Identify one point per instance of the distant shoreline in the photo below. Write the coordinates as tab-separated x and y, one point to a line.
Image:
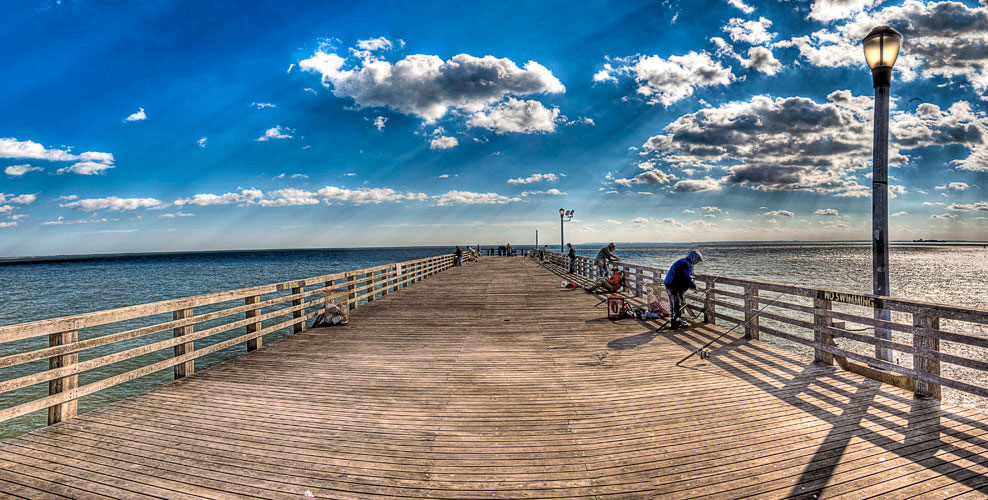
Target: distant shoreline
51	259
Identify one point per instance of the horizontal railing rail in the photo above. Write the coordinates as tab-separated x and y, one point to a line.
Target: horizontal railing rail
834	320
119	335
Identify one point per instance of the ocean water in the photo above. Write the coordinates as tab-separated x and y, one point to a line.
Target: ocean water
51	287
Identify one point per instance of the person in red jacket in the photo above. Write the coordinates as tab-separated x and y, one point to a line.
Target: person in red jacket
612	284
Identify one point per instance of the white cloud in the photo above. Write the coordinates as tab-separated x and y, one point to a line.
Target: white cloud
827	211
443	142
363	196
467	197
762	60
136	116
534	178
899	214
710	209
547	192
933	203
651	176
365	49
750	32
8	224
978	206
946	39
667	81
379	122
513	115
176	214
943	216
779	213
86	168
13	148
605	75
612	221
696	185
747	9
427	86
832	10
245	196
446	176
955	186
113	203
276	132
202	142
262	105
19	170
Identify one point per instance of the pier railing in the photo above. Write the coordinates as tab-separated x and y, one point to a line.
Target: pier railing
934	345
172	334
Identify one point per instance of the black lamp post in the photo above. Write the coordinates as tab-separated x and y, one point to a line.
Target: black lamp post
881	48
563	213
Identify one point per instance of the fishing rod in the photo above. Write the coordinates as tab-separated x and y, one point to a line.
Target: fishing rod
745	323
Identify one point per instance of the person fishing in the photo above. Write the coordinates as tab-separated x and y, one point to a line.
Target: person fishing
612	284
572	257
604	257
678	281
458	261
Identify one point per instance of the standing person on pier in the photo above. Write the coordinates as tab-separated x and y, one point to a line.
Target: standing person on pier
572	257
678	281
604	257
510	252
458	260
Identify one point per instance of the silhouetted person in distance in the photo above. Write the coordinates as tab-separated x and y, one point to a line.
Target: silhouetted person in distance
572	257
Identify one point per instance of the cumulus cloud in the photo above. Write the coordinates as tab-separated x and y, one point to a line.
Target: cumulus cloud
978	206
276	132
739	4
86	162
471	198
262	105
113	203
750	32
513	115
204	199
899	214
652	177
943	216
945	39
534	178
779	213
547	192
19	170
955	186
827	211
832	10
762	60
443	142
696	185
426	85
667	81
796	143
136	116
202	142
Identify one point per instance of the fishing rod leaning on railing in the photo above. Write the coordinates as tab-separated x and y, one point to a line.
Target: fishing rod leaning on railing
828	315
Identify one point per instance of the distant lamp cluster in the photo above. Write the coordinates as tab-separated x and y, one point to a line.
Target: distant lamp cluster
564	216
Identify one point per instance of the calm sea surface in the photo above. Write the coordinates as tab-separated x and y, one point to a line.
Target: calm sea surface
49	288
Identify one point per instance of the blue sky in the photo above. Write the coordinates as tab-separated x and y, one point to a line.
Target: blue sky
190	125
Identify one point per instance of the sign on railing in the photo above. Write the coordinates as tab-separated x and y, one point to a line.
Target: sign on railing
840	324
255	311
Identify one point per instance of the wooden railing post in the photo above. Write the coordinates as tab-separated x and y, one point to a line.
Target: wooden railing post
708	301
386	284
351	296
189	367
922	363
253	344
819	336
398	268
299	324
639	279
372	281
67	410
751	312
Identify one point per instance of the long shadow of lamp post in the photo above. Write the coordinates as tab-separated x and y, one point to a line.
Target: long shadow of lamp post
881	48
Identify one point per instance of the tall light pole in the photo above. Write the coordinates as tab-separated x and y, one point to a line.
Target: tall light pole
563	213
881	48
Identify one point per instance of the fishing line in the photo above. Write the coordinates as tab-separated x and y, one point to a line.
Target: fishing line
745	323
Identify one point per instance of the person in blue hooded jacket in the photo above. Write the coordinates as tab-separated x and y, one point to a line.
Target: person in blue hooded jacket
678	281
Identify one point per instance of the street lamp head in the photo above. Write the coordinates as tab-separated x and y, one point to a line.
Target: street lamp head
881	49
561	212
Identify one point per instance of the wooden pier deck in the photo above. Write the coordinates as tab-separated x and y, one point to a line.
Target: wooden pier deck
481	382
